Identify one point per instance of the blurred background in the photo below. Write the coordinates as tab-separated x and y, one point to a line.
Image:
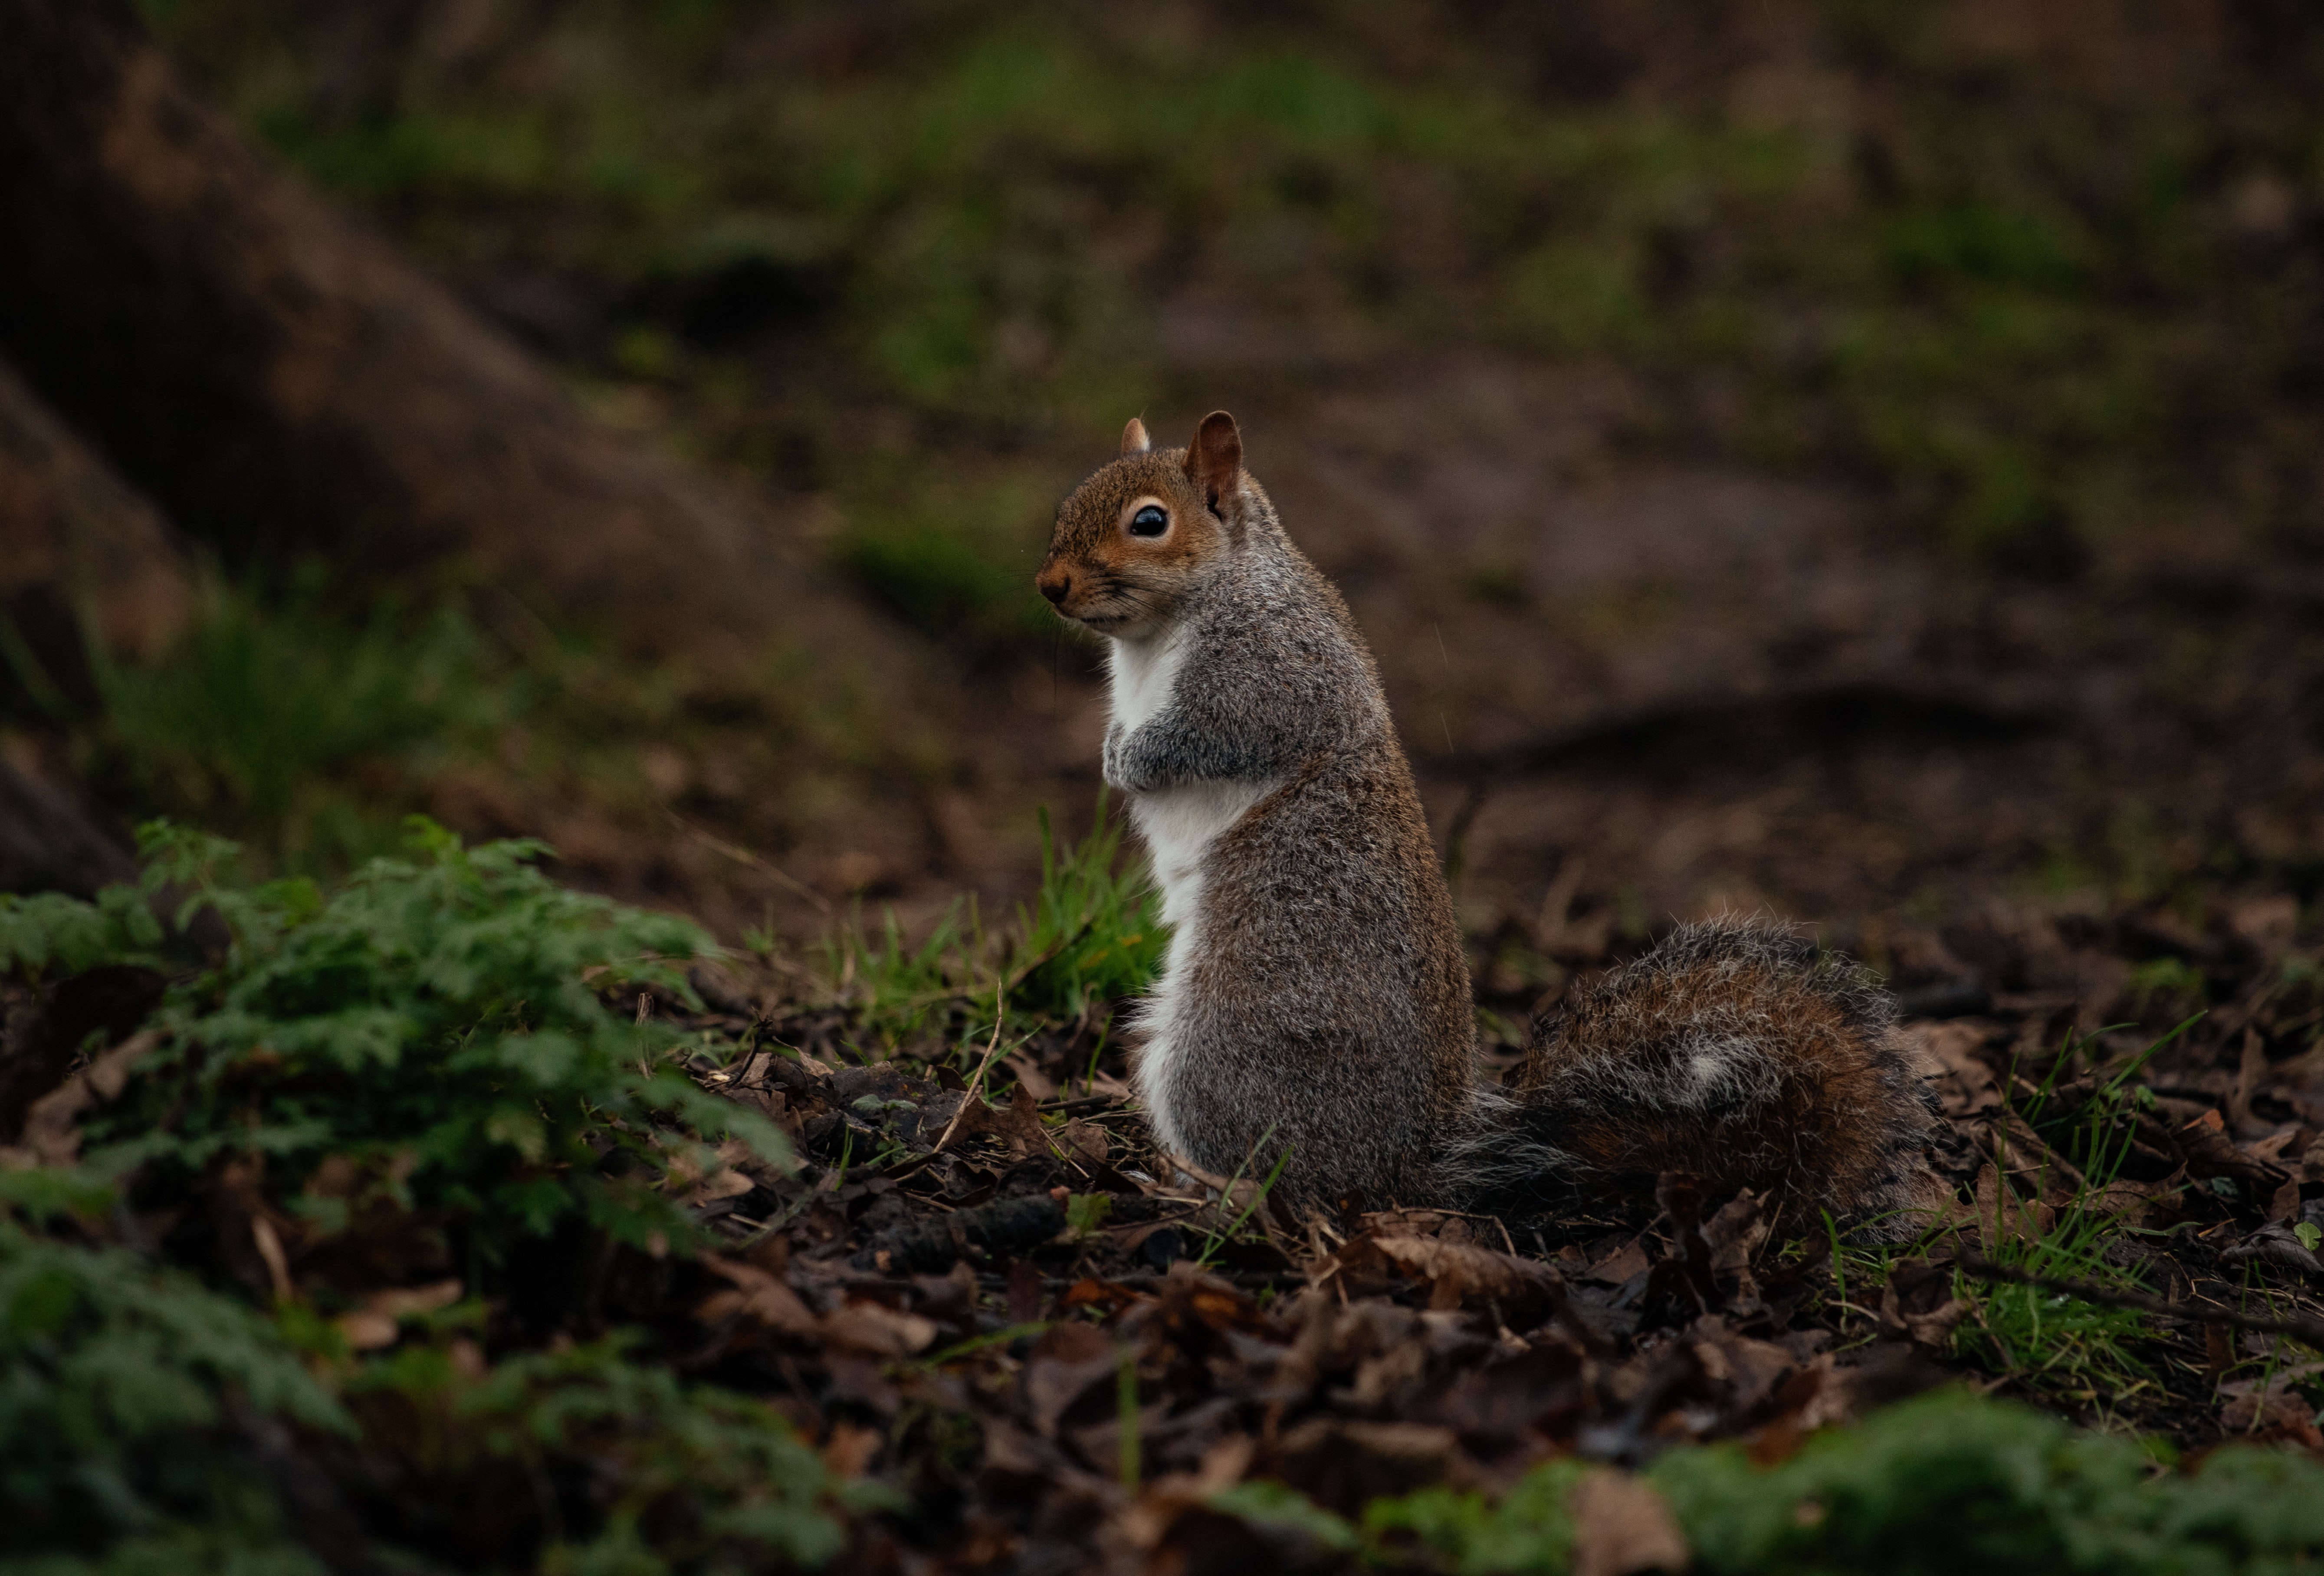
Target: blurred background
1860	459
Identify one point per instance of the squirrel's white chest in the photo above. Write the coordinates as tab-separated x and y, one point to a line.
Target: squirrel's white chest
1178	823
1143	674
1179	826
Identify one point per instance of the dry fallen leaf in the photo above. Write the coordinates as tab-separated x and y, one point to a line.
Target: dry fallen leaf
1621	1527
877	1329
1621	1266
372	1326
1463	1272
1064	1363
52	1123
756	1296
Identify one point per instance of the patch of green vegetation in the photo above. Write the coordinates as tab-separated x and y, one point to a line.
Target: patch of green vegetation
439	1028
308	731
1530	1529
1987	308
1094	933
1950	1482
1092	936
446	1044
952	554
2064	1347
49	934
135	1405
128	1397
285	718
2169	984
1284	1513
1945	1483
686	1478
893	989
2057	1346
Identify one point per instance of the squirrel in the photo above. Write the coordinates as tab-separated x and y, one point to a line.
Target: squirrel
1314	1007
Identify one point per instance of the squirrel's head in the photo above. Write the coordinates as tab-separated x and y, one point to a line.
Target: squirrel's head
1133	539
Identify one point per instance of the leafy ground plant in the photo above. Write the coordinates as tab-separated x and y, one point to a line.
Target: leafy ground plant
132	1402
444	1061
439	1028
611	1464
1092	936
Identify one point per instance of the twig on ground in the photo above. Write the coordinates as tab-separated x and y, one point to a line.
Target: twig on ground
999	1017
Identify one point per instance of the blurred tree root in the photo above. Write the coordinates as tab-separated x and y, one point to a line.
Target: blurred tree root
280	381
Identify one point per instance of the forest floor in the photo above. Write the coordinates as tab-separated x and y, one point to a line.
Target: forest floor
2116	1188
876	1255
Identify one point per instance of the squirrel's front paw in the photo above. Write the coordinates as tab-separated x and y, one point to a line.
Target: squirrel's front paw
1111	761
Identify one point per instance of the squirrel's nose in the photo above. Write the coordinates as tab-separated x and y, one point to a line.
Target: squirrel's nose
1056	590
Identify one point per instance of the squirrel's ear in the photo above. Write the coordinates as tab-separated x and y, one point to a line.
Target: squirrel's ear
1214	459
1133	437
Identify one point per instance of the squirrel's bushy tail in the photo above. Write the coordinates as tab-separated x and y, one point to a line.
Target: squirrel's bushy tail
1735	1051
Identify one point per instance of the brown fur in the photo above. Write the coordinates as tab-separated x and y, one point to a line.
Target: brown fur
1099	576
1737	1052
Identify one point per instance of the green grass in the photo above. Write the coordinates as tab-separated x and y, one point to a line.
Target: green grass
2062	1347
2064	1350
308	724
1092	936
284	717
893	990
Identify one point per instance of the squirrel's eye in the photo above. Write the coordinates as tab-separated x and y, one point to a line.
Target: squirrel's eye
1150	521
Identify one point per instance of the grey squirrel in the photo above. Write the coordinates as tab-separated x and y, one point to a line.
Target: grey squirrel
1315	1003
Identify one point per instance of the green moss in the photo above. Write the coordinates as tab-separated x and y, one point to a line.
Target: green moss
1953	1483
1948	1482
